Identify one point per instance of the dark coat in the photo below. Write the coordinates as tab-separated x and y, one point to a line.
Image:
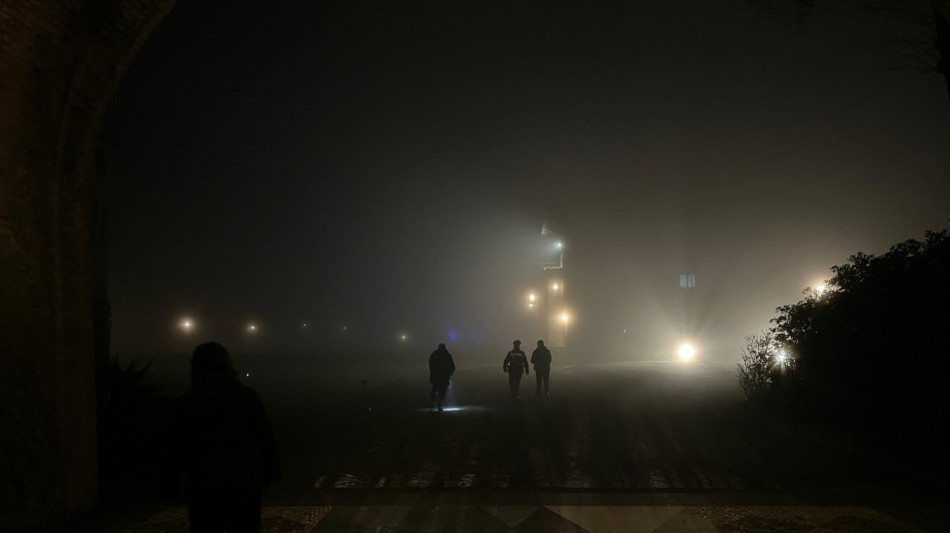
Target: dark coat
441	366
541	359
224	441
515	362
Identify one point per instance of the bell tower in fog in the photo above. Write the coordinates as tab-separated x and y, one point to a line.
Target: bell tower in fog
552	310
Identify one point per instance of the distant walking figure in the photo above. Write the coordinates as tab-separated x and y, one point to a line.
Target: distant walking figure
226	446
541	359
441	368
516	364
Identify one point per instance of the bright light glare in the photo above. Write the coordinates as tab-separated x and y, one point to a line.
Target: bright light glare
530	306
686	352
782	357
564	318
554	286
821	289
531	297
252	328
186	324
559	245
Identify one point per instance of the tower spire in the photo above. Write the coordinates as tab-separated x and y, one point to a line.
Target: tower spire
552	304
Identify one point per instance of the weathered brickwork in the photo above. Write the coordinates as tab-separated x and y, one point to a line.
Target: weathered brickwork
60	61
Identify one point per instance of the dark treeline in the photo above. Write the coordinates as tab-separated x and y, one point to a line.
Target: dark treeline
868	354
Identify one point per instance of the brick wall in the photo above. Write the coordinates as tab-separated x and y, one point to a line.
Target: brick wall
59	63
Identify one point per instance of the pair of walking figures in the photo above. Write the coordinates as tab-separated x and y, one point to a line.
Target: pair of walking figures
516	365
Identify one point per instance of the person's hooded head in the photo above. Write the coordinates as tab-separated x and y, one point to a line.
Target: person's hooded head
517	345
540	344
211	368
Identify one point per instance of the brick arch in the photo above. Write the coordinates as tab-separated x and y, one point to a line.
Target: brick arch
59	65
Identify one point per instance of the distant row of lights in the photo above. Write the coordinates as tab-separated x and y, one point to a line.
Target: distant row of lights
187	325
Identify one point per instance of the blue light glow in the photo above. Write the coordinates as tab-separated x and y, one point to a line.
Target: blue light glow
456	408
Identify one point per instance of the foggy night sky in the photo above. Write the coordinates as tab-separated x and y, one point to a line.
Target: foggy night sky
387	166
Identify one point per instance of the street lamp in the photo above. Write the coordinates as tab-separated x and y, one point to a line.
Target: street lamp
531	301
564	319
686	352
781	357
186	325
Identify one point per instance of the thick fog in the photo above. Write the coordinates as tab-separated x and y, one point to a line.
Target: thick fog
375	176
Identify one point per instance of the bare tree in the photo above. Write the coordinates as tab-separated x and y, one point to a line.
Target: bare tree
755	364
918	35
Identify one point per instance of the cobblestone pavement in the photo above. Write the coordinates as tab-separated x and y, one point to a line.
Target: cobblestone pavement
553	518
627	447
637	427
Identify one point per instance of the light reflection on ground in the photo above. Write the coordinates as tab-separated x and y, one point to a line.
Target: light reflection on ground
462	408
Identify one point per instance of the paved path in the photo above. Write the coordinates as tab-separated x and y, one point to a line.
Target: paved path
632	447
637	427
421	517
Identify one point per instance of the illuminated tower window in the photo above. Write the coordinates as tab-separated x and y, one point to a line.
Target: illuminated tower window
687	281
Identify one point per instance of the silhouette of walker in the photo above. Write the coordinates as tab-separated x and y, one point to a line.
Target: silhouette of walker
441	368
225	445
515	364
541	359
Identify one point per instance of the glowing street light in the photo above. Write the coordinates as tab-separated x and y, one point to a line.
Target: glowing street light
554	287
403	337
781	357
820	289
532	299
563	319
252	328
186	325
686	352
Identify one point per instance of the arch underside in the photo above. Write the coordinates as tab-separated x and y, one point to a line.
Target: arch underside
59	64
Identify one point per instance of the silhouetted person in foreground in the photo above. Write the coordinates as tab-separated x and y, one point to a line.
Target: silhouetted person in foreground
226	446
515	364
441	368
541	359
